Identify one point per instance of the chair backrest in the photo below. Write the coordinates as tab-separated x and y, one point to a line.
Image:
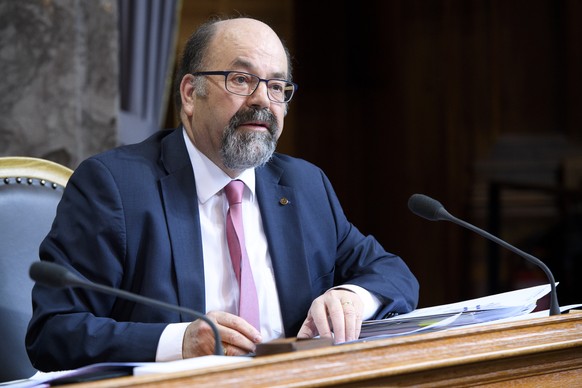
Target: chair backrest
30	190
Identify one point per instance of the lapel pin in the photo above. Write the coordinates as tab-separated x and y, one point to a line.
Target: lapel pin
284	201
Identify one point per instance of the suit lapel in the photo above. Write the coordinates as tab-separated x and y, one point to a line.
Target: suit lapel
180	204
280	212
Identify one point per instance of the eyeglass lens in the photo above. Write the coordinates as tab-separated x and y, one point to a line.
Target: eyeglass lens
245	84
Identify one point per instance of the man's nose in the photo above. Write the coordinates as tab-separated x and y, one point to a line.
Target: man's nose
260	97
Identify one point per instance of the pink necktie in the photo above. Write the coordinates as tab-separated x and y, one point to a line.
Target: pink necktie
248	301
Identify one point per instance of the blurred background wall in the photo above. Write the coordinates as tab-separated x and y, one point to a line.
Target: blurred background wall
58	88
476	103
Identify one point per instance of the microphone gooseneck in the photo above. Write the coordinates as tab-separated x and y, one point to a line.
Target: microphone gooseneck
54	275
433	210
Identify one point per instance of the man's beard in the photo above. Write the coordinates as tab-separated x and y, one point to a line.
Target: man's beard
249	149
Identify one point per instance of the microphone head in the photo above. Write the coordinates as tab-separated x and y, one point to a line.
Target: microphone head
428	208
52	275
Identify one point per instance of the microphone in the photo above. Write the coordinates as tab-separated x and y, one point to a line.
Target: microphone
57	276
433	210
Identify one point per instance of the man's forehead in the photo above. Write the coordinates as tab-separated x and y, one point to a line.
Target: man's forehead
252	67
248	46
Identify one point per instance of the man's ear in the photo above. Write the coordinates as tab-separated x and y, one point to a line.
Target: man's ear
187	93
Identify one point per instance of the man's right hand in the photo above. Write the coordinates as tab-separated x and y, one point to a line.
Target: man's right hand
238	336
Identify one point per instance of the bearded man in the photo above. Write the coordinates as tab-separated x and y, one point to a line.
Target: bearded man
154	219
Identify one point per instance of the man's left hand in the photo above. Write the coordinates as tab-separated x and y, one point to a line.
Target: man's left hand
338	311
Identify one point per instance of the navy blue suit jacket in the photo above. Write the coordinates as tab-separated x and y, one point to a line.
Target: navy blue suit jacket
129	219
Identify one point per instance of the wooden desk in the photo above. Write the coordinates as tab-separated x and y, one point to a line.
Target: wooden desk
538	352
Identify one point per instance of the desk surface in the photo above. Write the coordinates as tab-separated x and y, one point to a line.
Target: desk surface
538	352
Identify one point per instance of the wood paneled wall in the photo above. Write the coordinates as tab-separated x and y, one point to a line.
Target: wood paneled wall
400	97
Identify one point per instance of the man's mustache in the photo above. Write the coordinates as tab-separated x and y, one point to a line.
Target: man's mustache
250	115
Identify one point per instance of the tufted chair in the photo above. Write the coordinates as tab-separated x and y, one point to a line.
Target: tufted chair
30	190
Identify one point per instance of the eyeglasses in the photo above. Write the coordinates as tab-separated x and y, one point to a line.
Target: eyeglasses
245	84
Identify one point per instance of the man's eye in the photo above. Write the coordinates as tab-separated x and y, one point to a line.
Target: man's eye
240	79
277	88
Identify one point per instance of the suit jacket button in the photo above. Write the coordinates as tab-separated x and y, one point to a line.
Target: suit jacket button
284	201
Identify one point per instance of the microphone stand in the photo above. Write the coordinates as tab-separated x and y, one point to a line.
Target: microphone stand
54	275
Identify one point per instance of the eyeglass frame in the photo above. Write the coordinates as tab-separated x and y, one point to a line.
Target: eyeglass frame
225	73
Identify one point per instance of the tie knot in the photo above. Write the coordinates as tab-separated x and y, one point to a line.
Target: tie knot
234	191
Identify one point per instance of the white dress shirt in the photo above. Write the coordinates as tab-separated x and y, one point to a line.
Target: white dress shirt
221	289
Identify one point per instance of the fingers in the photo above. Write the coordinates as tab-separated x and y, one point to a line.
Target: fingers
308	329
321	317
352	320
338	311
237	335
346	314
337	318
233	350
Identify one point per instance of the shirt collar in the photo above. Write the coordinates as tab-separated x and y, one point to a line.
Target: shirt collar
210	179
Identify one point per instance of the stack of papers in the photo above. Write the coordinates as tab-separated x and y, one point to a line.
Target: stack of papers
481	310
